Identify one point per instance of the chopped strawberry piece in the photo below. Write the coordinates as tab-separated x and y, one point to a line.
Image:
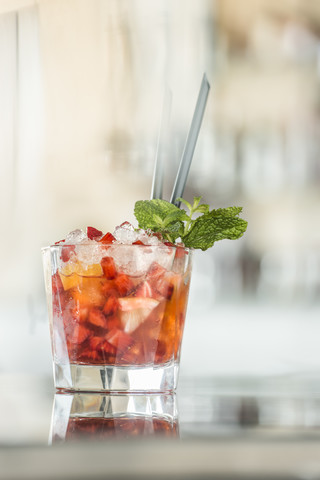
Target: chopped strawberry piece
126	225
155	234
155	271
109	288
100	348
93	233
66	252
144	289
56	284
79	334
107	238
95	342
124	284
88	355
119	339
111	305
138	242
134	311
113	321
109	268
80	313
106	347
96	317
169	244
180	252
165	287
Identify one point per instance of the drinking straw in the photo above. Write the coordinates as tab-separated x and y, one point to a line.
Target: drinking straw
158	173
191	141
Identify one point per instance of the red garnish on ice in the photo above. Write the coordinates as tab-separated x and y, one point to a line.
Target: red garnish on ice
124	284
96	317
93	233
138	242
108	267
126	224
108	238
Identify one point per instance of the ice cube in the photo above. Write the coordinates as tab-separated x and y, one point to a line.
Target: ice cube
76	236
89	252
125	234
136	260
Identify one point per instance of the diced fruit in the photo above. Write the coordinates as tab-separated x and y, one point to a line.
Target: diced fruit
95	342
169	244
78	335
109	288
102	345
89	293
93	233
108	238
126	225
124	284
134	311
109	268
144	289
119	339
96	317
155	272
138	242
128	304
165	286
56	284
113	321
111	305
80	313
89	355
66	252
72	274
180	252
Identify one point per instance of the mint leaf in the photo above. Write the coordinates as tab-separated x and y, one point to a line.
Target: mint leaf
160	216
202	232
220	224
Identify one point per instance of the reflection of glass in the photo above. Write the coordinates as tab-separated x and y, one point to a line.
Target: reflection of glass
117	315
95	416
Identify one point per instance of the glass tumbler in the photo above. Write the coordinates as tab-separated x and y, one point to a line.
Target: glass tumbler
117	315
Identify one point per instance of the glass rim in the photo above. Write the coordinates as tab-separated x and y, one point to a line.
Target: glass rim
98	244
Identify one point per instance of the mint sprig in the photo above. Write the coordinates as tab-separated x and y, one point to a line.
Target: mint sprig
201	232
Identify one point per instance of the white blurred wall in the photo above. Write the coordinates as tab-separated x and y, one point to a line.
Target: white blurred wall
81	85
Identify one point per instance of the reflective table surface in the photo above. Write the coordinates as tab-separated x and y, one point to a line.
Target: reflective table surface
211	428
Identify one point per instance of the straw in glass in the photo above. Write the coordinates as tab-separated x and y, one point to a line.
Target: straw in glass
158	173
191	141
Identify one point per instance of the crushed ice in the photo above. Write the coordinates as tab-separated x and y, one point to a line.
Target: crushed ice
132	261
76	236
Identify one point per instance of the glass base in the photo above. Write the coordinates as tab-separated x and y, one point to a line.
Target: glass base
113	379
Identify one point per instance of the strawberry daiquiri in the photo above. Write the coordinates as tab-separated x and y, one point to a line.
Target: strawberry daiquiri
117	301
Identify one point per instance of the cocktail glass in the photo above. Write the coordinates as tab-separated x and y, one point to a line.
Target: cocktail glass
99	416
117	315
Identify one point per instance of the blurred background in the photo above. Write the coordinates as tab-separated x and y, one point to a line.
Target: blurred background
81	89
